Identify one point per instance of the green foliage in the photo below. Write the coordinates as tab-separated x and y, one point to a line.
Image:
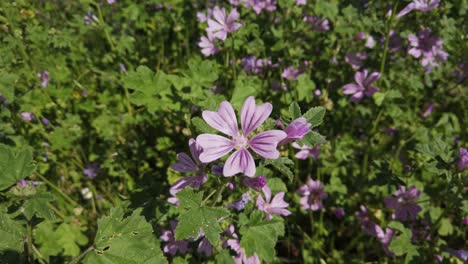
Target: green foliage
121	239
305	88
294	110
38	205
401	245
260	236
195	216
7	85
282	165
315	115
11	234
15	165
244	88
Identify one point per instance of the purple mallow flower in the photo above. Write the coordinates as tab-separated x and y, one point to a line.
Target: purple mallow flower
367	225
404	203
92	170
301	2
306	151
205	247
254	65
291	73
207	45
427	46
296	130
172	246
255	183
44	76
191	165
363	86
27	116
259	5
225	121
356	59
45	121
463	160
240	204
275	206
395	42
221	24
421	5
318	23
462	72
312	195
429	109
461	254
339	212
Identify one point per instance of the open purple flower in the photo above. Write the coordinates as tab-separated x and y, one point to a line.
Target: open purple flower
92	170
421	5
187	164
463	160
27	116
404	203
172	246
363	86
225	120
429	47
44	76
356	59
291	73
207	45
221	25
275	206
254	65
296	130
306	151
312	195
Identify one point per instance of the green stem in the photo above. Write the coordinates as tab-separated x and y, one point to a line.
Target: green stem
387	37
29	242
57	189
103	24
82	255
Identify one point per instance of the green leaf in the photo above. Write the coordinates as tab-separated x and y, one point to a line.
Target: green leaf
401	245
195	216
294	110
260	235
305	87
281	164
276	185
39	205
15	165
244	88
7	82
11	234
202	73
445	227
224	257
202	126
311	139
315	115
125	240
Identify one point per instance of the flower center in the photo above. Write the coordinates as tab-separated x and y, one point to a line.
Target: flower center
241	141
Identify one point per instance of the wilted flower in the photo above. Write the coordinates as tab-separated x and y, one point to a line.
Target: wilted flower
318	23
239	205
363	86
275	206
207	45
225	120
463	159
91	170
221	25
421	5
87	194
44	76
255	183
312	195
306	151
296	130
27	116
356	59
172	246
187	164
291	73
404	203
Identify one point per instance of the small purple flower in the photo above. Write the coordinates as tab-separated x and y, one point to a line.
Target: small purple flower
255	183
190	165
221	25
296	130
45	121
22	183
461	254
301	2
395	42
312	195
356	59
339	212
123	68
172	246
318	23
363	86
421	5
291	73
92	170
27	116
217	169
429	109
438	258
260	5
404	203
367	225
231	186
275	206
463	161
110	2
385	239
207	45
254	65
90	18
45	78
427	46
306	151
225	121
240	204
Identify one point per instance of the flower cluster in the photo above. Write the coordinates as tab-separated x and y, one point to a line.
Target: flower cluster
428	47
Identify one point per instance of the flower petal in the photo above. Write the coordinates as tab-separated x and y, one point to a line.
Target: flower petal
195	150
223	120
239	161
214	147
185	164
252	116
265	143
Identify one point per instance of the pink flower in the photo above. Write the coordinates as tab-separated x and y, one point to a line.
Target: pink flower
275	206
221	25
306	151
312	195
207	45
225	121
172	245
355	59
44	76
404	203
301	2
187	164
290	73
296	130
27	116
421	5
363	86
463	160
